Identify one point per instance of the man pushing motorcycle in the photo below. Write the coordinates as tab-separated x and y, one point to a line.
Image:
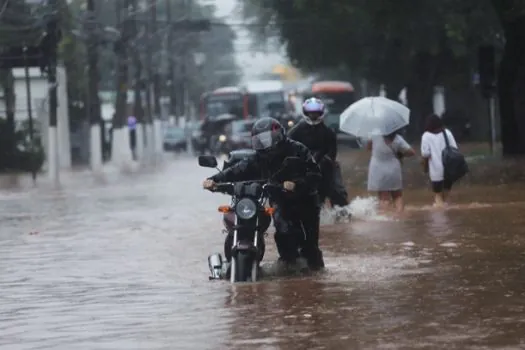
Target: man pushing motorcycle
296	216
322	142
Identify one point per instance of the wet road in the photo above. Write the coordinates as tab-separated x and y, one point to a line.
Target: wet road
121	264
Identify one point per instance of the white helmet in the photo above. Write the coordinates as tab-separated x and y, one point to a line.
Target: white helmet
313	111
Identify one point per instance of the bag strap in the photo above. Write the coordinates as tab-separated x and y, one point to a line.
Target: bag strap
446	138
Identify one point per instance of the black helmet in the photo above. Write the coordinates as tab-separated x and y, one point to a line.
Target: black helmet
267	133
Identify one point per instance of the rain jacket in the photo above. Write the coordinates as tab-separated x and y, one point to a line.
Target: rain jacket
263	168
320	139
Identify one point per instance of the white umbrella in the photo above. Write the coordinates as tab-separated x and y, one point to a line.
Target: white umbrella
374	116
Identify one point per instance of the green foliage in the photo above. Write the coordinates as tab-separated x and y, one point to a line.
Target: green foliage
27	155
371	37
21	23
217	44
72	53
220	67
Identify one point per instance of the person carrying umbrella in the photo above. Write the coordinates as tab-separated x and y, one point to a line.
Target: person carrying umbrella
385	176
379	120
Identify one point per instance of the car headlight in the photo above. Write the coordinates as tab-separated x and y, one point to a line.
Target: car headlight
222	138
246	209
290	123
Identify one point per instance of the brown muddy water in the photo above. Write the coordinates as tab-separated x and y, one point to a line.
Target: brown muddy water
120	263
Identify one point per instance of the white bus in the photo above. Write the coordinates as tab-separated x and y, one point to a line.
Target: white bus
265	97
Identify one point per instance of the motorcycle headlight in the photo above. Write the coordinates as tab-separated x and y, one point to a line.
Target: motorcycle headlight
290	123
246	209
222	138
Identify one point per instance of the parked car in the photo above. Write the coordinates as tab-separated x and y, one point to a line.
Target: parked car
236	135
175	139
197	138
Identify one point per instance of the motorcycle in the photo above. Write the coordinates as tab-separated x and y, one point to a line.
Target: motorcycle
246	220
287	120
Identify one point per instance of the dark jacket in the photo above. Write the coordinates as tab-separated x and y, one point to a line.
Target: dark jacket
320	139
259	168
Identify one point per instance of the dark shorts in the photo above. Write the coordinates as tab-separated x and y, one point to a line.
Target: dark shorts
440	186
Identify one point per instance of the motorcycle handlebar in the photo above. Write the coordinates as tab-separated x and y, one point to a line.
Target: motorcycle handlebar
227	187
270	186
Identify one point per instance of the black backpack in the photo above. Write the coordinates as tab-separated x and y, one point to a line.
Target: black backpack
454	164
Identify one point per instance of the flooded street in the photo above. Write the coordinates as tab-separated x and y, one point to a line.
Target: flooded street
121	263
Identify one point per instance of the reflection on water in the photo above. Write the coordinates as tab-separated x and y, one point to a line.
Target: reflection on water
120	263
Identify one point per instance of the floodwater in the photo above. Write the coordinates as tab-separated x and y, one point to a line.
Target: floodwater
120	263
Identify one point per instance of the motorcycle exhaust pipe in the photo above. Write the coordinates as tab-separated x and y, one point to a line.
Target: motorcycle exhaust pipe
215	265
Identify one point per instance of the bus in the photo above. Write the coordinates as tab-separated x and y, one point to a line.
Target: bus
227	99
265	98
337	96
253	99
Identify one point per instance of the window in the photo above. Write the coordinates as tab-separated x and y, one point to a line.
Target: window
222	104
269	102
336	102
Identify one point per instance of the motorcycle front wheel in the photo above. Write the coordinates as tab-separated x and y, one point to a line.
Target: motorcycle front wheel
243	267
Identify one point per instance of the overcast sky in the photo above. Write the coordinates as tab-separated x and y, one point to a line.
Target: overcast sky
252	63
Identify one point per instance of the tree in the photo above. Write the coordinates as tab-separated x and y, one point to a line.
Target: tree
220	67
21	26
511	80
216	44
73	55
416	44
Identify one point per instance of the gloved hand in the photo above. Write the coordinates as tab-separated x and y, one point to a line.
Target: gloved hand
289	185
208	184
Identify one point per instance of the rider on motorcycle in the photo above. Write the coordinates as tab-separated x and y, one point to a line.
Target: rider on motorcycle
299	210
322	142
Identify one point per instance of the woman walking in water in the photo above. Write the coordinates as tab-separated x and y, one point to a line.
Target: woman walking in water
384	171
432	145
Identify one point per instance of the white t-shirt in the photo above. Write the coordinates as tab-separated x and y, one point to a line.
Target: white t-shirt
432	145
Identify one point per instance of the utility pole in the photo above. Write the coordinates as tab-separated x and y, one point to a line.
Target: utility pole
120	149
121	51
54	37
93	103
138	109
186	7
156	75
153	78
147	83
171	64
29	109
150	146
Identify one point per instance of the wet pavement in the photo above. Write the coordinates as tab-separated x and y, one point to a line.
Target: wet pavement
119	262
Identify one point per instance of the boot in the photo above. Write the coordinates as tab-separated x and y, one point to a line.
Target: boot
286	247
314	258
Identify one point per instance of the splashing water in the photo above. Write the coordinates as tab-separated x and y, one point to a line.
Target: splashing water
361	208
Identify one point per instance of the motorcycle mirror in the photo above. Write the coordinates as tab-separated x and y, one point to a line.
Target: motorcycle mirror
207	161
